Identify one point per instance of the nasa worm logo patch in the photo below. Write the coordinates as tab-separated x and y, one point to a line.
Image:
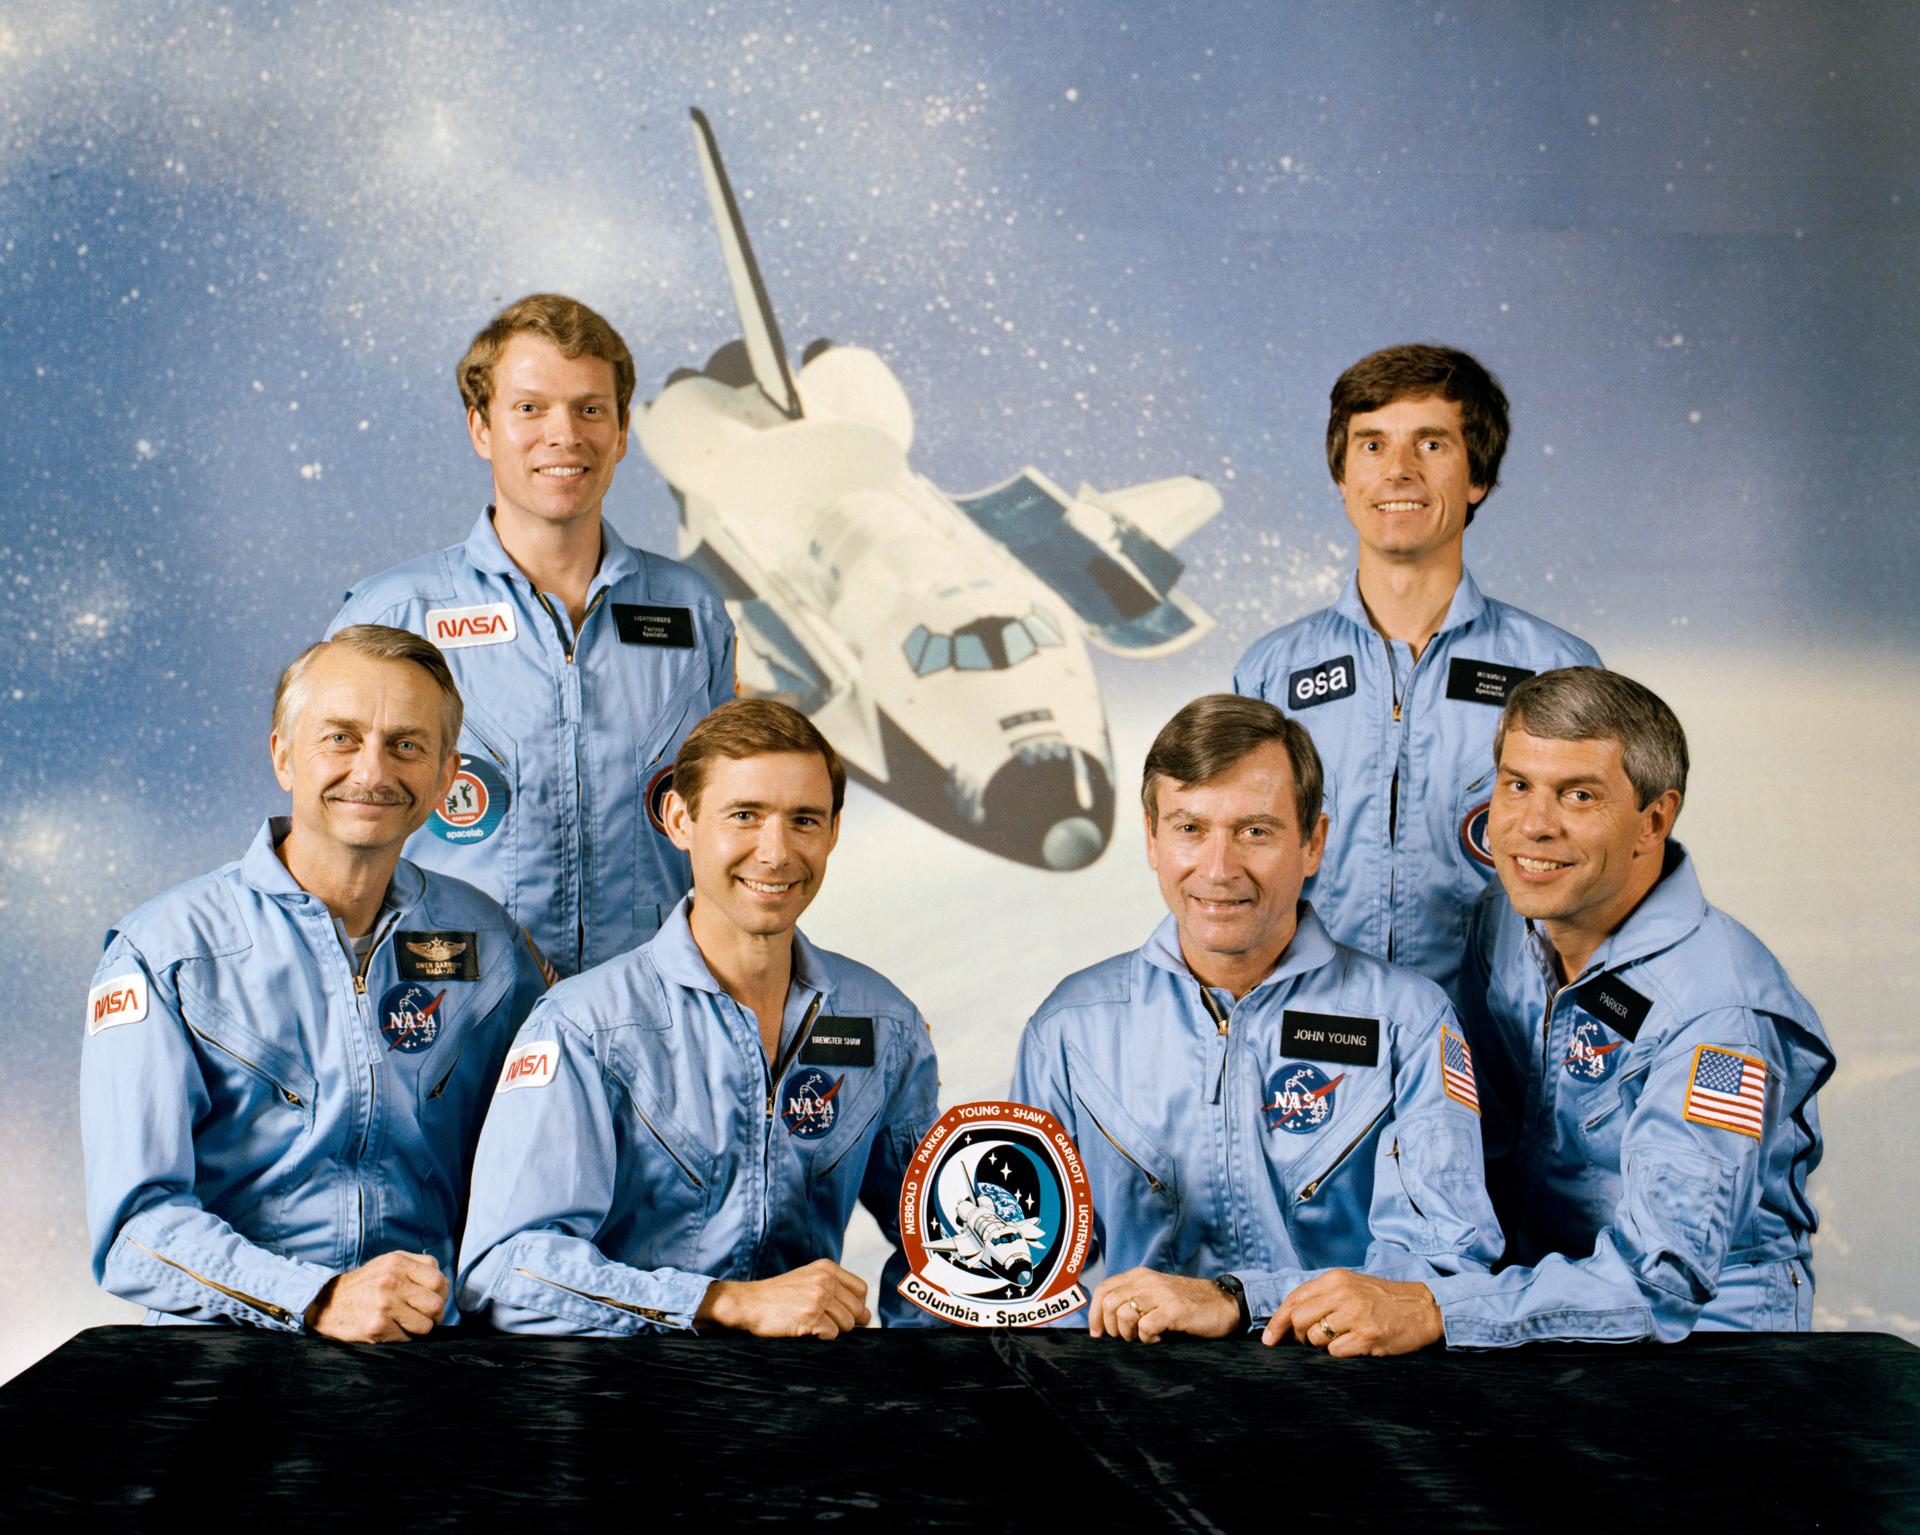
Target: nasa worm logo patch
1299	1098
1593	1053
410	1016
995	1218
475	805
809	1101
1473	834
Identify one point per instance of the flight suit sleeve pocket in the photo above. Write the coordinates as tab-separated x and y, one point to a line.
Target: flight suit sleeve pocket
1440	1169
1679	1207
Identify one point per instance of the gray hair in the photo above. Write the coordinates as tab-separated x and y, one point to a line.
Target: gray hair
1584	703
1211	734
380	643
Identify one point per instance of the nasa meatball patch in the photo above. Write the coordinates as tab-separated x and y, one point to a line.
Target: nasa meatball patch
1321	684
123	999
1299	1098
809	1101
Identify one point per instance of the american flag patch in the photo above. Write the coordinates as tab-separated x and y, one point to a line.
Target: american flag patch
1727	1091
1456	1069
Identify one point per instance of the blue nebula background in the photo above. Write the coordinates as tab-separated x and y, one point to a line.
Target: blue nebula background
241	250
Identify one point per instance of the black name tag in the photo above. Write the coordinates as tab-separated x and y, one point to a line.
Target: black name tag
839	1042
1614	1003
1321	684
654	626
1330	1037
437	956
1481	682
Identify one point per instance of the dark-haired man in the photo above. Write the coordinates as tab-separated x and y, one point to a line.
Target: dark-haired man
584	661
1648	1068
680	1135
1254	1101
1401	679
287	1060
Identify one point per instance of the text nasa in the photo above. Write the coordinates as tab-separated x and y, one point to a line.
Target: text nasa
490	623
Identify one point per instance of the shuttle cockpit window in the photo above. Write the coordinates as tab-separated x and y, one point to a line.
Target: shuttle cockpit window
986	644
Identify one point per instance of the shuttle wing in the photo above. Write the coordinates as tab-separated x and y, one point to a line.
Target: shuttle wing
758	328
1165	510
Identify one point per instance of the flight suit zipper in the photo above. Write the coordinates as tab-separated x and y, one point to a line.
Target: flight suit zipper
278	1313
287	1094
373	1082
604	1300
791	1053
665	1145
1222	1023
1314	1187
567	648
1152	1182
566	645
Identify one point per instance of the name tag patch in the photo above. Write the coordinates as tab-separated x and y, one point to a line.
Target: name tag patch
1321	684
1330	1037
1614	1003
491	623
653	626
1482	682
437	956
839	1042
531	1065
120	1000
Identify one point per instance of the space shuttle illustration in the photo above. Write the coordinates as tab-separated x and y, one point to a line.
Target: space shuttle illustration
939	641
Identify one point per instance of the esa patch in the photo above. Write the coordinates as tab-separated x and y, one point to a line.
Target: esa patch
653	626
1482	682
1299	1098
1321	684
529	1065
437	956
410	1016
475	805
1614	1003
1330	1037
807	1101
491	623
1456	1070
839	1042
1473	833
1728	1091
122	999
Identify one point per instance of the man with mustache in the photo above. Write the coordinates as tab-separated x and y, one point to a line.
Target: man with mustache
287	1060
1401	679
584	661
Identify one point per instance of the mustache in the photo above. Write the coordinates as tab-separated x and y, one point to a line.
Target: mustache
372	796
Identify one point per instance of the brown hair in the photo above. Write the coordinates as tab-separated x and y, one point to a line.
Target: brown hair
381	644
1212	734
751	727
1410	373
1584	703
575	329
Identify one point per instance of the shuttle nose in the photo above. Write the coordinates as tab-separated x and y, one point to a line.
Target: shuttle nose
1051	806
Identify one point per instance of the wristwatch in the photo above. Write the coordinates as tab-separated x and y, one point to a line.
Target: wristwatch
1228	1284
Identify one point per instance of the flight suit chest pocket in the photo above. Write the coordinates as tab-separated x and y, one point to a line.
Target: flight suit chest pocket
1316	1120
668	1178
1130	1165
248	1075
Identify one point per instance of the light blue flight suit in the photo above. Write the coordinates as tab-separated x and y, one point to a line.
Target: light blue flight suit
1650	1128
640	1145
567	738
1313	1124
1407	747
259	1115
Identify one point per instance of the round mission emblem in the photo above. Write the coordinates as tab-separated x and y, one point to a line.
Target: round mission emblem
1473	834
475	805
995	1218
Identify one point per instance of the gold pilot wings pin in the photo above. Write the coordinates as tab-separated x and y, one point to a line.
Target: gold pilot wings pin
437	956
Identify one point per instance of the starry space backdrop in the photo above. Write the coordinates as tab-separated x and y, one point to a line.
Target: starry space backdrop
242	246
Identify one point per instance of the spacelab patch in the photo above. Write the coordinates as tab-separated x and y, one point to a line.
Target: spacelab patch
410	1016
1614	1003
1299	1098
839	1042
1482	682
656	798
437	956
122	999
491	623
1330	1037
1456	1070
1473	833
808	1105
1321	684
639	625
475	805
528	1065
1728	1091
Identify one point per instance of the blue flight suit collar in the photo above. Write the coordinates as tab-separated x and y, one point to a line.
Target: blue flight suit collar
261	868
617	558
1669	912
678	958
1467	604
1311	947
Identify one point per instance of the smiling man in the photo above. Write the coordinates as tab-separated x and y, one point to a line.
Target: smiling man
1400	681
1254	1101
680	1135
584	661
287	1061
1648	1069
